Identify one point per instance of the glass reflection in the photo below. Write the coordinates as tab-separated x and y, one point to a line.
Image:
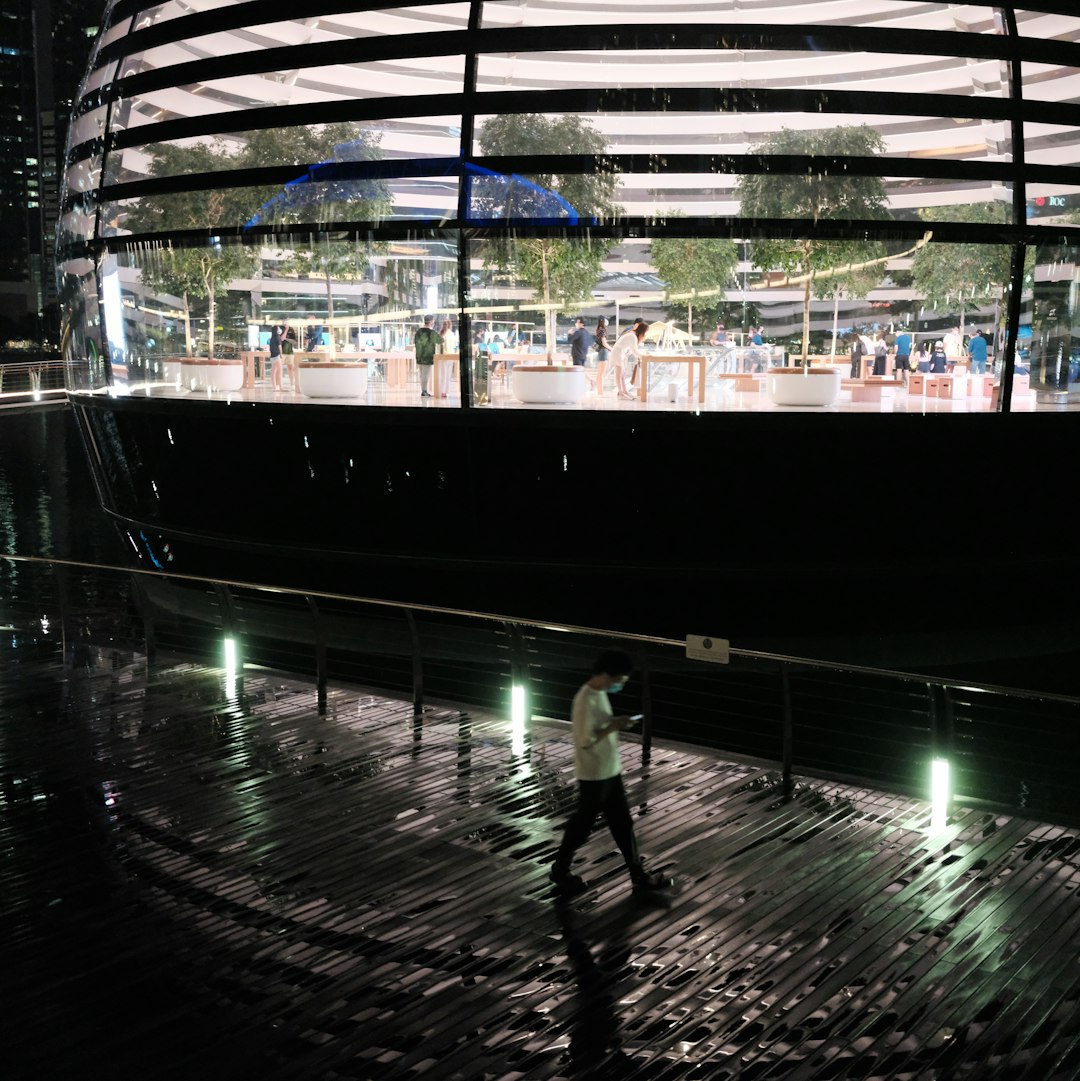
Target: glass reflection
574	174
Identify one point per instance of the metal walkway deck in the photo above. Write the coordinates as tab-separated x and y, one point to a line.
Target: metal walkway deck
199	886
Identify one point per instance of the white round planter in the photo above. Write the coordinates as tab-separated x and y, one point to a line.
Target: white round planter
539	385
795	386
198	373
332	379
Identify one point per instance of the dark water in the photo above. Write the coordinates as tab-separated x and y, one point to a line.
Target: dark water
48	505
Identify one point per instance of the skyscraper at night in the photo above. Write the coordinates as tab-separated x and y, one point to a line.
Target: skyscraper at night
44	46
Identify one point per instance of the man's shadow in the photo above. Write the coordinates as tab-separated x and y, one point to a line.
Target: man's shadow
593	1022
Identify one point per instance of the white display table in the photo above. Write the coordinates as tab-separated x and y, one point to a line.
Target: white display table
332	378
799	386
544	384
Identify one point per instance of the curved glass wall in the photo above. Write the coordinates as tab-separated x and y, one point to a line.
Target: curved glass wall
806	184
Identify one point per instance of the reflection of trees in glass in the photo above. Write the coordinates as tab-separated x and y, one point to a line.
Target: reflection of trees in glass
819	266
963	277
203	271
321	198
561	271
198	271
695	265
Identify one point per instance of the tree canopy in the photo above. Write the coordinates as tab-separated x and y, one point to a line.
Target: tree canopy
561	271
691	265
818	196
201	271
963	277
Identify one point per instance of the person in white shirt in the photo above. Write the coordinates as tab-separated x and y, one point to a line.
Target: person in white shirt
598	770
626	345
953	343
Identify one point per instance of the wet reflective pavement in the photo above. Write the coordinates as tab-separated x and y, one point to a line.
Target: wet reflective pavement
205	879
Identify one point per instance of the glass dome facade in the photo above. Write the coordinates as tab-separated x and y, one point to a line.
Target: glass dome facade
814	170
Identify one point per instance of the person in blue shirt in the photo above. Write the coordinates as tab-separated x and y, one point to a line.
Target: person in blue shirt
902	359
977	353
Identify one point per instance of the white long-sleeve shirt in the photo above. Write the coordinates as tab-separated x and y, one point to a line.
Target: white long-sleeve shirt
625	346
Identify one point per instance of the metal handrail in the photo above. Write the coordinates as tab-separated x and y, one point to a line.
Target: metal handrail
563	628
859	729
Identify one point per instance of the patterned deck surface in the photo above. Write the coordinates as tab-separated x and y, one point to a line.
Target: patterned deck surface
202	887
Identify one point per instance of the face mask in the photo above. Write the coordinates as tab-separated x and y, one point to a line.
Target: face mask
615	688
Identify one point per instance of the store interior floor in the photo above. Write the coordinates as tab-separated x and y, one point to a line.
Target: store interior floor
719	397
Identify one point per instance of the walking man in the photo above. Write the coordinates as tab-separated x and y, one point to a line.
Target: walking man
598	770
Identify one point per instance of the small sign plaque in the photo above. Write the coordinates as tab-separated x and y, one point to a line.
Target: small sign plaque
702	648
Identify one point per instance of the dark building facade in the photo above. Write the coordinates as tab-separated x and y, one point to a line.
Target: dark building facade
44	46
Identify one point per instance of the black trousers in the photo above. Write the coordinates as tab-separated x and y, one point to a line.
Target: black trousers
596	797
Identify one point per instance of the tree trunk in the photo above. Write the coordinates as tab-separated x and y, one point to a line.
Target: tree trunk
212	312
330	315
835	322
187	324
806	325
549	313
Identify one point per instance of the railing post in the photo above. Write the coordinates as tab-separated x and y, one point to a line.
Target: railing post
228	627
647	722
519	677
941	733
417	676
787	751
320	654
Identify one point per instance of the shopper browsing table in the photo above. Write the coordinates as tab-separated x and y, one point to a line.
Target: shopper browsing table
626	345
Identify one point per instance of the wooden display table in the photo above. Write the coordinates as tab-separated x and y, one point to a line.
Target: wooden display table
396	364
870	388
691	363
249	358
751	382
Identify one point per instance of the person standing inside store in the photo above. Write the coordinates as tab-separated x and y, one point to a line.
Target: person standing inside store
426	343
579	340
603	351
628	344
938	359
279	332
314	338
881	353
857	352
977	353
953	343
598	771
449	345
902	361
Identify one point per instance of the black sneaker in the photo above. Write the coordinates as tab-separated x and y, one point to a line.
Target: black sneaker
566	882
